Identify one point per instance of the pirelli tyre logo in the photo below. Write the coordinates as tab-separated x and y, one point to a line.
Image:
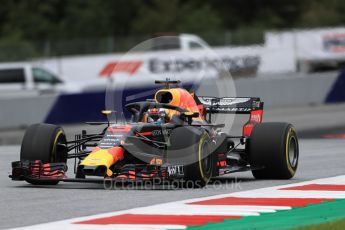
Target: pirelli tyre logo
175	170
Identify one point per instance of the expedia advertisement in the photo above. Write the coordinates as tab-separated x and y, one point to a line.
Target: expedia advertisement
238	65
140	67
184	65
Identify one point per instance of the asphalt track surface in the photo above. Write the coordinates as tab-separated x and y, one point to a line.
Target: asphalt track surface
22	204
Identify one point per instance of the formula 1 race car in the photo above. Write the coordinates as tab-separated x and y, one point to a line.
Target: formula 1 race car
169	138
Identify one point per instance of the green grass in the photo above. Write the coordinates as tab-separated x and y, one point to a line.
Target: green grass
334	225
309	216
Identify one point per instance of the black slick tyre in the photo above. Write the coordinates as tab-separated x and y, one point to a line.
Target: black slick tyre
274	150
192	148
44	142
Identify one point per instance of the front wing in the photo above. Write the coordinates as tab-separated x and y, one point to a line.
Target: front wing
38	172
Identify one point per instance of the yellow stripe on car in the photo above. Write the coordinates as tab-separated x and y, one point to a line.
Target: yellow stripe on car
200	157
54	146
288	139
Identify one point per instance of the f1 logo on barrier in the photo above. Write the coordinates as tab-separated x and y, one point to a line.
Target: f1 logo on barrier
130	67
175	170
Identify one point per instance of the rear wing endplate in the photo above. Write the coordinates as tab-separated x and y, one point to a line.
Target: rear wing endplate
231	105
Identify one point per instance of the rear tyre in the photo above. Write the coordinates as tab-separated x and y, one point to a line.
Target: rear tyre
44	142
274	148
192	147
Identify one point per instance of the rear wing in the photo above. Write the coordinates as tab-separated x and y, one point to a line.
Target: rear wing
231	105
234	105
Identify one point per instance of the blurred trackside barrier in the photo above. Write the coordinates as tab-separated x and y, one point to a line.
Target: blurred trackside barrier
311	89
337	93
21	111
292	90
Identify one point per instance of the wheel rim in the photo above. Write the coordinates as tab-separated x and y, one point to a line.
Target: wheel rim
293	152
206	159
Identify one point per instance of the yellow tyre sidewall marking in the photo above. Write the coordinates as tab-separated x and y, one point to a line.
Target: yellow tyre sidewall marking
54	145
291	133
201	142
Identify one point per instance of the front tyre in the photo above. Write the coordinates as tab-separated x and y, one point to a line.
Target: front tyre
44	142
198	174
192	148
274	150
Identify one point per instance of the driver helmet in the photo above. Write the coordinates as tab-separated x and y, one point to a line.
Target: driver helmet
156	116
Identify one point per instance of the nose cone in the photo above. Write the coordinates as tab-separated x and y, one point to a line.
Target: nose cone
100	160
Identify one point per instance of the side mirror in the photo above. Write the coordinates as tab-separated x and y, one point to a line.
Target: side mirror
188	116
106	112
